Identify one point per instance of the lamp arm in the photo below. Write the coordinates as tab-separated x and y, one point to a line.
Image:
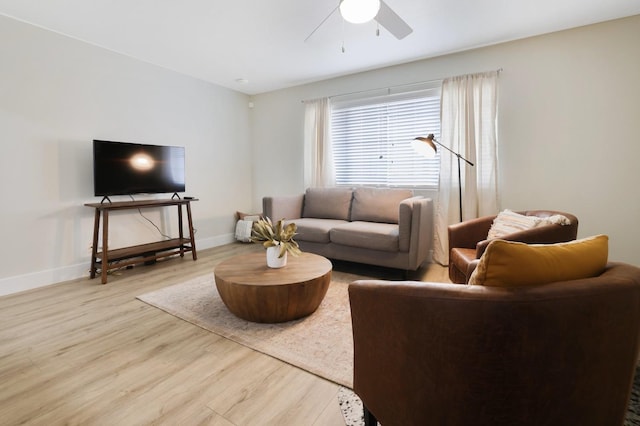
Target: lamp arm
453	152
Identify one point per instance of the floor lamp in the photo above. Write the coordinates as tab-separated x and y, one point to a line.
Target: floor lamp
427	147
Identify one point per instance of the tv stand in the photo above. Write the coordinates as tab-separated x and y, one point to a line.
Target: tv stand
108	259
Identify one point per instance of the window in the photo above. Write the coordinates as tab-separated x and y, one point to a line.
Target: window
371	139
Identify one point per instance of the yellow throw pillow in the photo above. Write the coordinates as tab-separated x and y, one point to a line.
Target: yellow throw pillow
514	264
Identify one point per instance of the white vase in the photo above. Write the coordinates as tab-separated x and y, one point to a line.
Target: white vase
273	261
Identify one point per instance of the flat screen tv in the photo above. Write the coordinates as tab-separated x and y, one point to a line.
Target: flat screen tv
123	168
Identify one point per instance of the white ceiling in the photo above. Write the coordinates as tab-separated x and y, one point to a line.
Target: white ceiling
262	41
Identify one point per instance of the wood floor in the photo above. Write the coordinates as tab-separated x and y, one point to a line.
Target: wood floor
83	353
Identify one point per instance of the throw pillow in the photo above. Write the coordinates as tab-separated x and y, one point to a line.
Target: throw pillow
244	225
243	230
515	264
556	219
248	216
507	222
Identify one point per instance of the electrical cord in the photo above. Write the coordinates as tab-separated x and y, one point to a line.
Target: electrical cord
156	226
150	221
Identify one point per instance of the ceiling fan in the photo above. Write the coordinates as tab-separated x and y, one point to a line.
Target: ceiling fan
361	11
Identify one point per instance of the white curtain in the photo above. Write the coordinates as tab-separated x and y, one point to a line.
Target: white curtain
469	127
318	164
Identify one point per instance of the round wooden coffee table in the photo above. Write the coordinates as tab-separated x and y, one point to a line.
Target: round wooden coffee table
254	292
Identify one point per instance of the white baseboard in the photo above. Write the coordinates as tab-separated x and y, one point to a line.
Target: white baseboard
18	283
33	280
217	241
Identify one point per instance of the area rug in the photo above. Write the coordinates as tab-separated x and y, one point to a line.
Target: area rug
320	343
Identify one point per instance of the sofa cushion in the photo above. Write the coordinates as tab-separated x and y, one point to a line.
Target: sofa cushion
378	204
315	230
327	203
375	236
515	264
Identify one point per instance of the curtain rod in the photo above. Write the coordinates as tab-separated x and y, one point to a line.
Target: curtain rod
377	89
499	70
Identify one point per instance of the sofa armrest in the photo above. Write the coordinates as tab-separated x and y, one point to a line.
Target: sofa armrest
467	234
283	207
415	228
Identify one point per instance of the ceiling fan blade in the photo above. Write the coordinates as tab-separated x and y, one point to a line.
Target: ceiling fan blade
323	21
392	22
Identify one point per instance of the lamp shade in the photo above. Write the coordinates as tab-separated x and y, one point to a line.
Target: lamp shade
359	11
424	146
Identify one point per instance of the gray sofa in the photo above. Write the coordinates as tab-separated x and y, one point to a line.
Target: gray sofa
377	226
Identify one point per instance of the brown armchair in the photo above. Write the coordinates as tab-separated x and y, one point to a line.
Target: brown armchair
468	240
444	354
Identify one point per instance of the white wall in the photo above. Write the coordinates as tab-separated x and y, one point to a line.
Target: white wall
569	108
57	95
569	122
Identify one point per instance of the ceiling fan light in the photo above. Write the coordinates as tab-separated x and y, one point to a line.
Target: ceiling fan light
359	11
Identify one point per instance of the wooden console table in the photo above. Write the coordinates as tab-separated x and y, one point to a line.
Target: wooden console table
115	258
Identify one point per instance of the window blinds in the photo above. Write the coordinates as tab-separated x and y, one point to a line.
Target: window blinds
372	140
